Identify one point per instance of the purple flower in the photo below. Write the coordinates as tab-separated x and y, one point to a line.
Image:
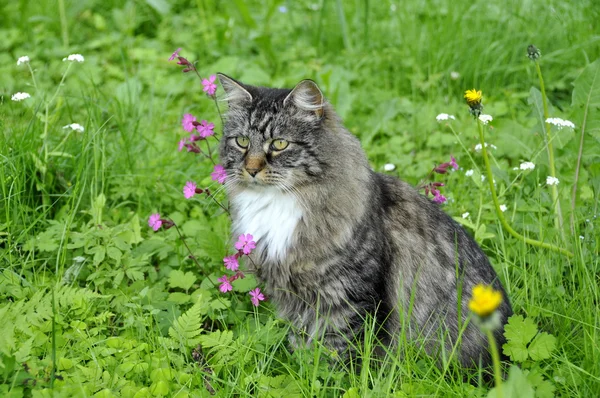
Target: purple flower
189	190
181	144
438	197
209	86
219	174
231	263
245	243
256	296
453	163
188	122
155	222
175	54
225	285
205	129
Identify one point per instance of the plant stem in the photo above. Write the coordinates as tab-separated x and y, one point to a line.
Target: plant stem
63	23
558	221
496	362
490	178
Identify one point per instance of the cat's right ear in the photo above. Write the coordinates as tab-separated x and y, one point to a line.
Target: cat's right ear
234	90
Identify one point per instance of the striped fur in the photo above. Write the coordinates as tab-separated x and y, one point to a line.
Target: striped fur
358	243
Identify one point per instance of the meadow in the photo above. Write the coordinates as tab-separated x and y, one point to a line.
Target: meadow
94	302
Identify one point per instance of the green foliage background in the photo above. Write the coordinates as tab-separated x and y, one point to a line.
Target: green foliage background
93	303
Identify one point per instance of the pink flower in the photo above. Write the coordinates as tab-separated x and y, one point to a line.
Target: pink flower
439	198
209	86
188	122
155	222
205	129
231	263
453	163
245	243
189	190
181	144
256	296
225	285
219	174
175	54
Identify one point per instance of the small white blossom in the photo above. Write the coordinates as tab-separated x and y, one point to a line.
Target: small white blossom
527	166
478	146
581	237
20	96
393	7
74	57
485	119
22	60
482	178
469	173
552	180
283	9
74	126
465	215
444	116
454	75
389	167
503	208
560	123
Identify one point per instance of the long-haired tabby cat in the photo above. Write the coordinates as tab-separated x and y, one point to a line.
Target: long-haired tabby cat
336	241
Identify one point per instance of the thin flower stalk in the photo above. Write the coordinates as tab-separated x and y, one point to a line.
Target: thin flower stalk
558	221
495	362
500	214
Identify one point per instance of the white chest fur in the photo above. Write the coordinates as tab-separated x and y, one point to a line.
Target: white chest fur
270	216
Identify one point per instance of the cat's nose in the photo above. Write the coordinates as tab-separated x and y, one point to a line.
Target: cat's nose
252	172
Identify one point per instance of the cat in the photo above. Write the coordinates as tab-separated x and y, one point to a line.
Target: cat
337	242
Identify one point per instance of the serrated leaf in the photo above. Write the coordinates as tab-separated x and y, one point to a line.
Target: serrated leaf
516	351
244	285
545	390
520	330
182	280
187	327
542	346
114	253
99	254
217	339
516	386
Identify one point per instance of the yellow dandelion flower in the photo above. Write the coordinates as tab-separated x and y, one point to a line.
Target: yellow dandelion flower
485	300
473	97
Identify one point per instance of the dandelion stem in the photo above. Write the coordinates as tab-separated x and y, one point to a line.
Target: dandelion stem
490	178
558	221
496	362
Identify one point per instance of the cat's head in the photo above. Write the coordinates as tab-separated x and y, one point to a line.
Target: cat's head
276	137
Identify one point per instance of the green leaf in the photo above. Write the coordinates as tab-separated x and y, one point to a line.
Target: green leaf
245	285
182	280
516	386
518	333
542	346
187	327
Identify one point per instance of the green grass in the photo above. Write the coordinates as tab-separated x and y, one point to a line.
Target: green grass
130	317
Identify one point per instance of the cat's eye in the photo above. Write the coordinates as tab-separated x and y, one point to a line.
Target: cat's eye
242	141
279	145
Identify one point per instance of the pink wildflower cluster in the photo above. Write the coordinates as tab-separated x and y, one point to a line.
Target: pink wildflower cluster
191	125
432	187
244	246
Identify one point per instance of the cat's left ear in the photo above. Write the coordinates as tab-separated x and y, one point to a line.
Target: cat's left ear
308	97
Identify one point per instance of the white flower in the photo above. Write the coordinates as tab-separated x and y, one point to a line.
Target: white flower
283	9
389	167
503	208
485	119
74	126
469	173
552	180
482	178
20	96
527	166
465	215
22	60
74	57
454	75
581	237
444	116
560	123
478	146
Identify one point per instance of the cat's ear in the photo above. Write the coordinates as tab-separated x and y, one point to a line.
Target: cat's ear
234	90
308	97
